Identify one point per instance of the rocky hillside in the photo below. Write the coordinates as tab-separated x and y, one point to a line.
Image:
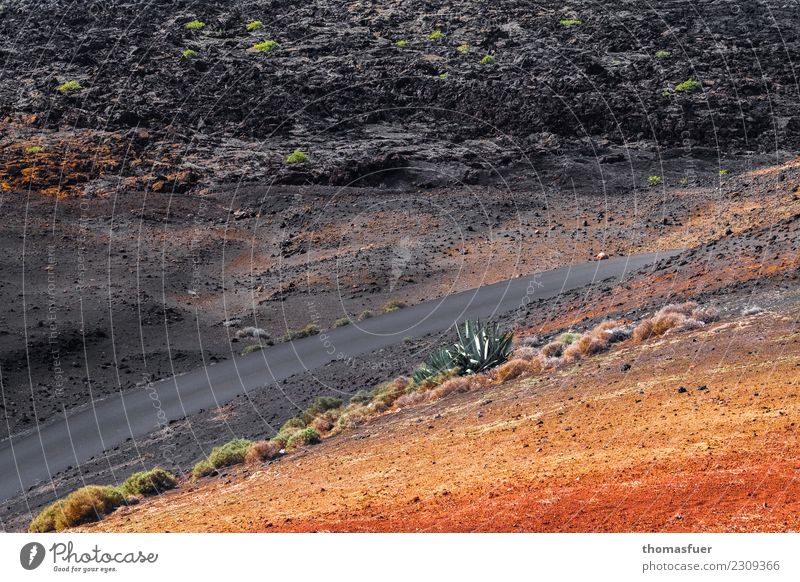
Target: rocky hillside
367	90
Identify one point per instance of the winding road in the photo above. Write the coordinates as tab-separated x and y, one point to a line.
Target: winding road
68	440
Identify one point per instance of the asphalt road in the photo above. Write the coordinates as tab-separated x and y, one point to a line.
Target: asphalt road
32	457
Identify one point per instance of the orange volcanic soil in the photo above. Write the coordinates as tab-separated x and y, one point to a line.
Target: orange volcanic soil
586	448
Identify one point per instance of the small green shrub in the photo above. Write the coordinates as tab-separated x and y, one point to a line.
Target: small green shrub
684	181
723	173
266	46
254	25
654	180
189	54
401	43
392	305
488	59
33	150
569	337
304	437
570	22
87	504
341	322
202	469
688	86
252	348
366	314
231	453
436	35
195	25
150	482
297	157
308	330
289	427
663	54
360	397
70	86
463	48
320	406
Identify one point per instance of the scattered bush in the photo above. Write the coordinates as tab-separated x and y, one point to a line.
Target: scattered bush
305	437
70	86
252	332
688	86
663	54
752	310
341	322
152	482
87	504
33	150
265	47
202	469
569	337
308	330
570	22
487	59
297	157
360	397
654	180
195	25
512	369
674	317
401	43
252	348
231	453
458	385
288	429
189	54
723	173
553	349
353	417
525	353
261	451
436	35
254	25
366	314
320	406
463	48
595	341
392	305
384	395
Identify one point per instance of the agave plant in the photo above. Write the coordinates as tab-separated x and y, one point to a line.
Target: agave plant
437	363
481	346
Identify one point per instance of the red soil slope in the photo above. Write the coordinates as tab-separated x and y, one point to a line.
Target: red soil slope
588	448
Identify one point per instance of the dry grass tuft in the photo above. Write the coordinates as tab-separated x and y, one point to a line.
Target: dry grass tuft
261	451
673	318
512	369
